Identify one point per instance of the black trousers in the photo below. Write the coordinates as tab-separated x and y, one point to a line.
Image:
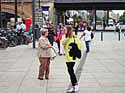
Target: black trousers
76	31
70	66
58	44
51	40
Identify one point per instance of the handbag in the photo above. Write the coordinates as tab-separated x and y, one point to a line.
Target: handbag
75	52
53	53
92	35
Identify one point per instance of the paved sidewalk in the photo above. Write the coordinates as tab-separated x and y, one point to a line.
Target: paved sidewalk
19	68
104	69
102	72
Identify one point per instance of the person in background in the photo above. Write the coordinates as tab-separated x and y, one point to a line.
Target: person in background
50	34
76	28
62	51
23	26
87	37
81	25
20	30
104	25
67	39
18	26
44	54
58	33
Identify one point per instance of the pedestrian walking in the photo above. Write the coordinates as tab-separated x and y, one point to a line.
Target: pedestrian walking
58	37
50	34
88	35
67	39
81	25
44	54
76	28
62	51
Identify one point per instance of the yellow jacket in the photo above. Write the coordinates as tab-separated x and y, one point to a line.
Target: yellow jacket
71	40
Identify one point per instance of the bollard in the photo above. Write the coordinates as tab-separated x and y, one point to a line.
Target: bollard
119	36
101	35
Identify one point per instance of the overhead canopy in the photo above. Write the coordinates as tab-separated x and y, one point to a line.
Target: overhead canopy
90	4
87	1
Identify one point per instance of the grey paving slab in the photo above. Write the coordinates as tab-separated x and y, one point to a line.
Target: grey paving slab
56	90
11	80
91	90
114	90
4	90
32	85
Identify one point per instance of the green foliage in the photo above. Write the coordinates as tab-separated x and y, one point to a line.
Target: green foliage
105	18
77	19
90	17
122	18
97	18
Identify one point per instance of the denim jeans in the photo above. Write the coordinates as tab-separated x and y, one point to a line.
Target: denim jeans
87	45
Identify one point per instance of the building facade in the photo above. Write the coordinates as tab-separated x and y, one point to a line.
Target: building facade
40	14
23	9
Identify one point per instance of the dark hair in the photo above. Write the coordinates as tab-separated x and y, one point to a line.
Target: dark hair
88	28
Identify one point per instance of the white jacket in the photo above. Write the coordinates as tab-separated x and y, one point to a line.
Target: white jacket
87	36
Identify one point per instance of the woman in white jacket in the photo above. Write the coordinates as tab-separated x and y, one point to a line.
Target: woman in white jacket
87	37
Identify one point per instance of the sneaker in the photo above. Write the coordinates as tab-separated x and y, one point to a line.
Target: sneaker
71	90
76	87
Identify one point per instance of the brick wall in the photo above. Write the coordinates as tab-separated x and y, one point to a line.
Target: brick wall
10	8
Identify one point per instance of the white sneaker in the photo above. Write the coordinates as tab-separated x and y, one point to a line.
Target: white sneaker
71	90
76	87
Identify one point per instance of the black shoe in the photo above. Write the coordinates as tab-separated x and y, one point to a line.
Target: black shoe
87	50
60	54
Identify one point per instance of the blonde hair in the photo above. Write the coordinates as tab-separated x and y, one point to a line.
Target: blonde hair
69	31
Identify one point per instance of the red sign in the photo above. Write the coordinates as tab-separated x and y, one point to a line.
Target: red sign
28	23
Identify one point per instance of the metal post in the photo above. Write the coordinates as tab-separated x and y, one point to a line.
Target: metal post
119	36
39	4
0	14
42	16
56	17
95	18
22	8
107	17
64	20
33	21
15	11
101	35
